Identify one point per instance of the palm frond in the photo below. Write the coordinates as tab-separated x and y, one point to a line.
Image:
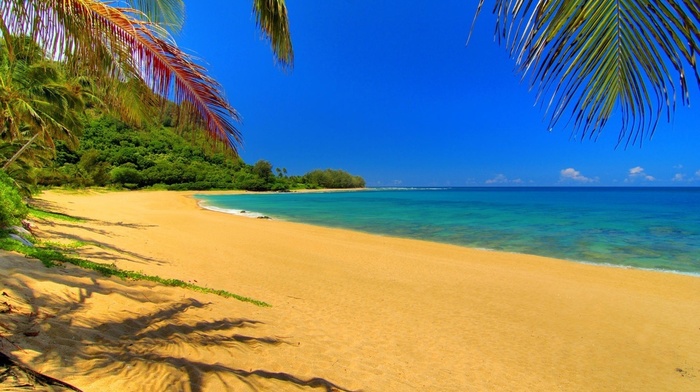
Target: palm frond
132	101
271	17
127	44
168	13
595	58
35	97
132	42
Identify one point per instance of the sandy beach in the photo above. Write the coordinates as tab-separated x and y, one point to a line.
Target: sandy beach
350	311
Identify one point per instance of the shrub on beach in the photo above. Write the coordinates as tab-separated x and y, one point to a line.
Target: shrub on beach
126	174
330	178
12	208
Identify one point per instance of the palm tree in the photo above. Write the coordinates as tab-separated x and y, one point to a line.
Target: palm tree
37	102
131	39
593	58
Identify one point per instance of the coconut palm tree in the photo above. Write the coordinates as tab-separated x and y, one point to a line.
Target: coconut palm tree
131	39
37	101
593	58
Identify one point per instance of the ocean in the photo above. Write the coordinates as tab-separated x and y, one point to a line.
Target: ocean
649	228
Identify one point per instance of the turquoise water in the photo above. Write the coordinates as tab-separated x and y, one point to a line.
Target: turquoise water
655	228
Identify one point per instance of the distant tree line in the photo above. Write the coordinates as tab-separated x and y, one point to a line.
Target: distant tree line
330	178
112	153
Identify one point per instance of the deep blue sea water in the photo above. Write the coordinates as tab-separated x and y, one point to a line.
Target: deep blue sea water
654	228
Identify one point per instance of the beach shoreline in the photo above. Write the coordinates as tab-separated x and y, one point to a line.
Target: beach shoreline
261	215
351	310
641	242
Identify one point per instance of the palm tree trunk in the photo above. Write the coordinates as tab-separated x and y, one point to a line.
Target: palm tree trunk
15	369
18	153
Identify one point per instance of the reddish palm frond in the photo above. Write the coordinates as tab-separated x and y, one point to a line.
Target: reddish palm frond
165	68
127	44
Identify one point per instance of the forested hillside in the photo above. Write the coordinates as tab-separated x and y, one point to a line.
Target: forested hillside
64	126
111	153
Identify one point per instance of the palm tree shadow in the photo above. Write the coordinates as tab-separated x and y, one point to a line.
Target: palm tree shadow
54	209
49	206
56	228
153	333
107	252
194	369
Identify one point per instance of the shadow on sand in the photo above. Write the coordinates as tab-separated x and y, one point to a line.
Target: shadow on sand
52	208
152	335
57	228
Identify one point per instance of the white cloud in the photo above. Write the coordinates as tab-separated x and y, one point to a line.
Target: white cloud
574	175
678	177
499	179
502	179
679	166
638	172
697	173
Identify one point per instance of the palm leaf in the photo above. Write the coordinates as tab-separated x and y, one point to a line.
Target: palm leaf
598	58
169	13
271	17
125	43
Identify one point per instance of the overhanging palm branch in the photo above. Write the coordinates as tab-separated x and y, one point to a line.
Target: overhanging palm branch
596	57
124	43
271	17
132	101
168	13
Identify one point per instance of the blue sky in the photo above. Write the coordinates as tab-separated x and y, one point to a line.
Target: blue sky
390	91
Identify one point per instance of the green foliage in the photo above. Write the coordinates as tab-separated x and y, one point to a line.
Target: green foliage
263	169
12	208
64	154
330	178
52	215
126	174
113	154
79	144
38	101
69	246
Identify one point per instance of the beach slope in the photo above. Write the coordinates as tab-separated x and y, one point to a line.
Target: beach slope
350	311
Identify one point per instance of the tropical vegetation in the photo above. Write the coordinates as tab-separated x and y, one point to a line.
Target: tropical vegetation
12	207
131	40
114	67
113	153
64	130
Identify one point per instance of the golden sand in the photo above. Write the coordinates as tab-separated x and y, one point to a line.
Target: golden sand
350	311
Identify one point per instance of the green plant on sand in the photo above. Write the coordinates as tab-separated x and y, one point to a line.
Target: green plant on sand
12	208
43	214
51	257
